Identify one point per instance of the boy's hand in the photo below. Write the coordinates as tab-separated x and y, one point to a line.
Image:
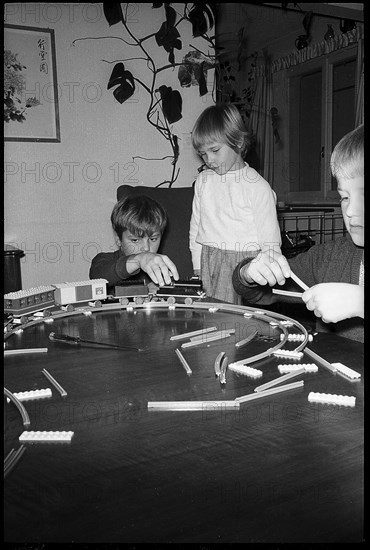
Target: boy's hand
334	302
267	268
158	266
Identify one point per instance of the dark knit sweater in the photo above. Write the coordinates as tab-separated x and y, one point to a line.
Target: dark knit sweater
334	261
112	266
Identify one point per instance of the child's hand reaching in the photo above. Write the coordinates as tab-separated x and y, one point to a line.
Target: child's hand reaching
267	268
158	266
334	302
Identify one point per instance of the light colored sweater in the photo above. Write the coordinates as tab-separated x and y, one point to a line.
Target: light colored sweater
235	211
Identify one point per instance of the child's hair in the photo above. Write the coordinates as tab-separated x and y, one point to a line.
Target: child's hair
140	215
222	123
347	158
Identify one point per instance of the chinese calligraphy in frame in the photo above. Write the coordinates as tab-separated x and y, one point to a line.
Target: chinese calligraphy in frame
31	110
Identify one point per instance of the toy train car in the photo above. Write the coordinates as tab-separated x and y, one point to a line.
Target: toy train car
138	292
28	301
82	291
41	298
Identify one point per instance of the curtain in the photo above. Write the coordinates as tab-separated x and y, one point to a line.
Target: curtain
260	120
360	85
318	49
260	124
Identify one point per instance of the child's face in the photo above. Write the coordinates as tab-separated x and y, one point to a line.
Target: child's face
220	157
351	193
131	244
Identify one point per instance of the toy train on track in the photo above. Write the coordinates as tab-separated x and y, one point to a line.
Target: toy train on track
94	292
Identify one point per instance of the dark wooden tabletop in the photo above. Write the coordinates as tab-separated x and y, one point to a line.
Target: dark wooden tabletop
280	469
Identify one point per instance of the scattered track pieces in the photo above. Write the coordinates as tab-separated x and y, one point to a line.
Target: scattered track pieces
347	400
319	359
244	369
218	362
192	405
246	340
279	380
342	369
308	367
45	436
289	354
271	391
33	394
194	333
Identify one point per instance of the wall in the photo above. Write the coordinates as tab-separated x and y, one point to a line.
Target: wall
58	197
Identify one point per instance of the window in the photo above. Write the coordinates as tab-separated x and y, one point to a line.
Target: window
322	106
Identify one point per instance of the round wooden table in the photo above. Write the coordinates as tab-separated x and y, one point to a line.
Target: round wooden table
278	469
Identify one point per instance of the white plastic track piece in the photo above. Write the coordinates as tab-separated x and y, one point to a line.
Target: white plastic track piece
289	354
244	369
342	369
33	394
213	309
193	405
287	323
25	351
346	400
297	337
308	367
46	436
193	333
248	314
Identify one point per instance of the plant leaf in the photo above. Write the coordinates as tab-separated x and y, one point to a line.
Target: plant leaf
171	103
202	18
125	82
113	12
176	151
202	81
170	15
307	22
168	37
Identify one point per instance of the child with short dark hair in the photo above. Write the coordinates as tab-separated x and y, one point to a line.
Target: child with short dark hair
234	208
139	223
334	270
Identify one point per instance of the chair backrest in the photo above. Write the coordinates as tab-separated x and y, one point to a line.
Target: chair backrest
178	204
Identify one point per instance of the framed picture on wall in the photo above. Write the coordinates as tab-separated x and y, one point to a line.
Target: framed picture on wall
31	110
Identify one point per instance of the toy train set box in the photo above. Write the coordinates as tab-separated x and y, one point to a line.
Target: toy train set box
94	292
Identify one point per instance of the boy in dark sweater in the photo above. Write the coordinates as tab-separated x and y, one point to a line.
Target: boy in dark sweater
139	223
333	271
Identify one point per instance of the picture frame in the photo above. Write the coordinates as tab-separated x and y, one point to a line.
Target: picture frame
31	106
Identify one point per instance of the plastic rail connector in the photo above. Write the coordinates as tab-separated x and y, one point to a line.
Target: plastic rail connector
289	354
347	400
45	436
343	369
244	369
33	394
297	337
308	367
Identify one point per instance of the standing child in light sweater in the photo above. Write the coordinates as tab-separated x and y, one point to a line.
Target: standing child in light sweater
234	208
